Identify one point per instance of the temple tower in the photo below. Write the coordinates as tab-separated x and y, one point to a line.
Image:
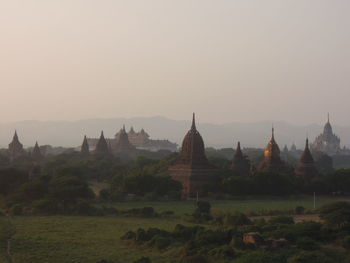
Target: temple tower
123	144
327	142
272	161
15	149
102	146
240	163
192	168
36	153
306	167
85	147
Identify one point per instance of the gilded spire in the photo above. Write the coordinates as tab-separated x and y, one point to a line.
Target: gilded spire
273	133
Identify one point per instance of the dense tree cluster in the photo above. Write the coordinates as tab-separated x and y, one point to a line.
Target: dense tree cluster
279	239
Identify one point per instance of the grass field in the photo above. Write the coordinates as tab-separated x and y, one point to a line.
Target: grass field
73	239
243	205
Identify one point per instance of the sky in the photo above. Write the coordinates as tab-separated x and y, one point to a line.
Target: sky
226	60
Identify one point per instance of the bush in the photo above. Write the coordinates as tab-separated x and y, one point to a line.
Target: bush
336	215
236	219
346	242
143	260
262	257
202	212
45	206
299	210
104	195
225	251
281	220
16	210
194	259
161	242
307	243
312	257
84	208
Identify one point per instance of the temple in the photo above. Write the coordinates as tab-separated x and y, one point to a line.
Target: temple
139	140
272	161
327	142
240	163
102	146
15	149
192	168
85	147
123	144
36	153
306	167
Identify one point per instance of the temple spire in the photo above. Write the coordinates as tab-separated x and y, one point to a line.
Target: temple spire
328	117
85	147
36	154
273	133
193	127
238	146
102	146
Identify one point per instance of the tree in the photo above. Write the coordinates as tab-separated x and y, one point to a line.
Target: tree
336	215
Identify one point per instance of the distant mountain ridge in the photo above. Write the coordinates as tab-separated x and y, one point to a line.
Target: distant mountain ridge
71	133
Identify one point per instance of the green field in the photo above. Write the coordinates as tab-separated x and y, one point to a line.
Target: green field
68	239
239	204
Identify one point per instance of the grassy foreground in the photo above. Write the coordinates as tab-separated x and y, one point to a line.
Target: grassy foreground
73	239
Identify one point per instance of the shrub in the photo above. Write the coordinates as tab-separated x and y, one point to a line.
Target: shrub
84	208
130	235
161	242
45	206
307	243
336	215
16	210
143	260
236	219
299	210
194	259
186	233
281	220
312	257
262	257
104	195
346	242
223	252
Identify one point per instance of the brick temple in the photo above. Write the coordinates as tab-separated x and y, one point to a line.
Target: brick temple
192	167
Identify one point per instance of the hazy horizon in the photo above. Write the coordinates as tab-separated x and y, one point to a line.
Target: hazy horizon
228	61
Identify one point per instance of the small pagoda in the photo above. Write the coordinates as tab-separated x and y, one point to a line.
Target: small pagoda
15	149
240	163
102	146
36	153
85	150
306	167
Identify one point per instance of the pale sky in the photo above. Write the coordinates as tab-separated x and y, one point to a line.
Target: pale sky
227	60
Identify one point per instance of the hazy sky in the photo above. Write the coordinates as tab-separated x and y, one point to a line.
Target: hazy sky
227	60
